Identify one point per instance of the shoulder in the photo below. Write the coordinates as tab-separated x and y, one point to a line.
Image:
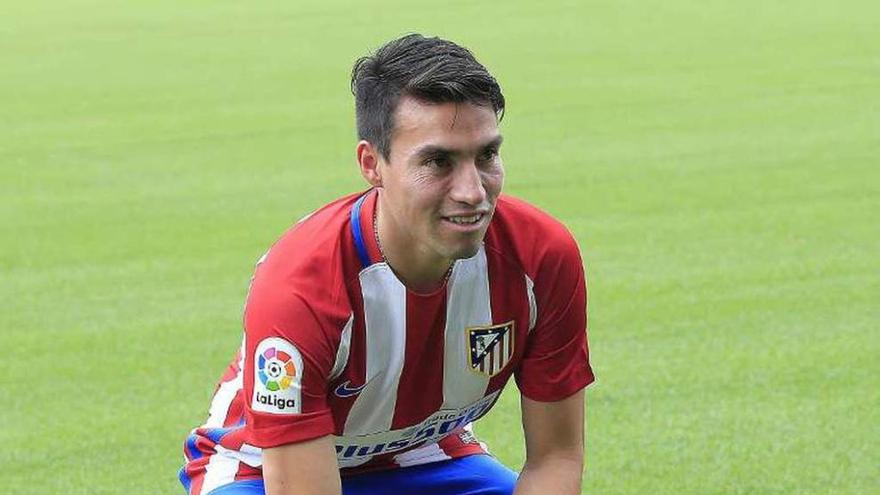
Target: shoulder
530	237
308	266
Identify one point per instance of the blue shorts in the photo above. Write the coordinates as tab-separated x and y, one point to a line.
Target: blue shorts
471	475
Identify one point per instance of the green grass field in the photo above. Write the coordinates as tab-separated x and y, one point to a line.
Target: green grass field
717	161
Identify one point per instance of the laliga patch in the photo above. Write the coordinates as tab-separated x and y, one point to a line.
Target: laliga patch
278	369
491	347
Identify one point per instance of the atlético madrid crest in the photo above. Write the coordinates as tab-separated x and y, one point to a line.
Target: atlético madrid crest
491	347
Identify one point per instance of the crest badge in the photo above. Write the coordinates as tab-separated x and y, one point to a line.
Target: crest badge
491	347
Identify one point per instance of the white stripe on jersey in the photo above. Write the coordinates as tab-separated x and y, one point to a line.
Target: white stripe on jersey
421	455
248	454
221	469
224	396
385	317
468	304
533	307
342	352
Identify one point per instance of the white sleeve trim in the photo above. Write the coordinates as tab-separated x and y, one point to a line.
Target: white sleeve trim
533	307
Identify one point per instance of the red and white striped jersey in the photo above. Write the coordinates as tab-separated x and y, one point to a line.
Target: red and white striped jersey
336	345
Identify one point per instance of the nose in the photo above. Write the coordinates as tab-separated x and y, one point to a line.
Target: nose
467	184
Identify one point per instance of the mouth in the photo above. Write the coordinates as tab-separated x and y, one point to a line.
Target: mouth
466	223
466	220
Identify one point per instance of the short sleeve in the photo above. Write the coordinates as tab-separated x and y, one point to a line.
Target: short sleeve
288	359
556	362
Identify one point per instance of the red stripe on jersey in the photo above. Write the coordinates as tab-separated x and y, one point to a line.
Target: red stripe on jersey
421	381
235	414
509	300
246	472
196	472
355	372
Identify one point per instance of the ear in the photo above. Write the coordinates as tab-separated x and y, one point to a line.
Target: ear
368	158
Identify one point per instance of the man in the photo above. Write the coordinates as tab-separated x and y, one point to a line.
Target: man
382	325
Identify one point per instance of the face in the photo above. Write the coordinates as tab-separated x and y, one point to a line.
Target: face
442	178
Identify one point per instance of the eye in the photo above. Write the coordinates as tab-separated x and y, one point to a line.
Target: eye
438	161
488	155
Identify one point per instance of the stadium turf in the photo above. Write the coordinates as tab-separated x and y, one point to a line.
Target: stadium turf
717	161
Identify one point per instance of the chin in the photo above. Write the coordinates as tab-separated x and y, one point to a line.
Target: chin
466	252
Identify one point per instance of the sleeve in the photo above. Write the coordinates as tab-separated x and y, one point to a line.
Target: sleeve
288	359
556	363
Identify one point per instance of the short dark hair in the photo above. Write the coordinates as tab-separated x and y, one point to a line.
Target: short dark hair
432	70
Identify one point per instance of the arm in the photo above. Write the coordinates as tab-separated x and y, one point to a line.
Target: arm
302	468
554	433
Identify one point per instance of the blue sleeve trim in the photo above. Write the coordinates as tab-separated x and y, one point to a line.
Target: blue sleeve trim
217	434
356	231
194	452
184	479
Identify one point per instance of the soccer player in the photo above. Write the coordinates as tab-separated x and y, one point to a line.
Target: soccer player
381	326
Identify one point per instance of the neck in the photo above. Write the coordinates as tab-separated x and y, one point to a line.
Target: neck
419	271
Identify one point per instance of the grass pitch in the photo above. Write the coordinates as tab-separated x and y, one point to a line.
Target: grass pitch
716	160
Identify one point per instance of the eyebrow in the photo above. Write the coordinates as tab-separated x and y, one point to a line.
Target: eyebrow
434	150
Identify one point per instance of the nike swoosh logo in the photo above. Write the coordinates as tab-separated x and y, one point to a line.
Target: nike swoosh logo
344	390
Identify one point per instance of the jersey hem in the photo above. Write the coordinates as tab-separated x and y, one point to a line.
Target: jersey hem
301	431
541	394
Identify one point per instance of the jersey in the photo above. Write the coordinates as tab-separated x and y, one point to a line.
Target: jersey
335	344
